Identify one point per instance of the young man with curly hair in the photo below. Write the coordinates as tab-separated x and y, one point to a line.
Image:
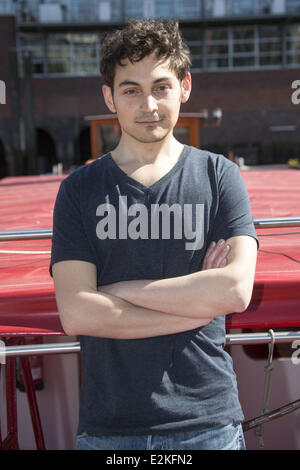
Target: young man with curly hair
153	244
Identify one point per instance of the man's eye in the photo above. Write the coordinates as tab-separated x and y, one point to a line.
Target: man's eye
162	88
130	92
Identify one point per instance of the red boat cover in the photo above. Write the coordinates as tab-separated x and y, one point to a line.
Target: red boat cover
27	299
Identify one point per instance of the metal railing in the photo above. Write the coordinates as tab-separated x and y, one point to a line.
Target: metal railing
267	222
74	347
74	11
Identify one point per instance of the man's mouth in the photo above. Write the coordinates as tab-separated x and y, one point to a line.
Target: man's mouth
148	122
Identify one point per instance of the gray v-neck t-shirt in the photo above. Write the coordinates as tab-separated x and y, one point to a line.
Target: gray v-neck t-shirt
169	383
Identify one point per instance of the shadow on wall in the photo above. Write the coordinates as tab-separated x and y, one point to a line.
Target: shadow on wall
3	162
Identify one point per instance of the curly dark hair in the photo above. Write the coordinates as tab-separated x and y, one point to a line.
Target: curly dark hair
140	38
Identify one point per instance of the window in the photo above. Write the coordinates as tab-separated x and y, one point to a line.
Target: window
62	54
193	38
293	6
216	48
240	7
188	9
59	53
243	53
270	45
293	45
85	54
264	7
35	45
73	53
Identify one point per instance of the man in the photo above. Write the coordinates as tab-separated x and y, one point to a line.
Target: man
130	234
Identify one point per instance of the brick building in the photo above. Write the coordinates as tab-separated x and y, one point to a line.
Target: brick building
246	56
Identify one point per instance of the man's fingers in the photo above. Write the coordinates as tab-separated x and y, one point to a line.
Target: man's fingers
208	255
216	254
221	256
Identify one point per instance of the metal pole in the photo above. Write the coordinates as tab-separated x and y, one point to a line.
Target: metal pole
38	349
271	222
47	232
25	234
31	143
74	347
262	338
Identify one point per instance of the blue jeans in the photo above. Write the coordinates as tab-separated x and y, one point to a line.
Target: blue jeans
226	438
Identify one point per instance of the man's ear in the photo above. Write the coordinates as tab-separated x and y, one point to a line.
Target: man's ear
186	88
108	98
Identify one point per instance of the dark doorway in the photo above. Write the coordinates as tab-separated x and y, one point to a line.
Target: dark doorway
3	162
46	152
84	146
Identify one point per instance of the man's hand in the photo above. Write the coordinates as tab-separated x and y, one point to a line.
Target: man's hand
215	257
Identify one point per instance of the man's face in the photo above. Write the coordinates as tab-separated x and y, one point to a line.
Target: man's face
147	97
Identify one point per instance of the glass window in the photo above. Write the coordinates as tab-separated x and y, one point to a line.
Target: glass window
243	40
243	34
134	9
270	45
217	62
209	8
264	7
34	44
216	47
193	38
216	34
85	68
243	47
293	6
73	53
161	8
85	46
293	44
240	7
59	46
188	9
293	59
59	67
243	61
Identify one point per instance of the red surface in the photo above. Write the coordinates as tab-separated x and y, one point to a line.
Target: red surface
27	300
276	294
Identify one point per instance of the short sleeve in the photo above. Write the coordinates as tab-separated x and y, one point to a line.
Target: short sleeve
69	239
233	216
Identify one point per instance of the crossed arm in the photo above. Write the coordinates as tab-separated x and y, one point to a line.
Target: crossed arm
145	308
204	294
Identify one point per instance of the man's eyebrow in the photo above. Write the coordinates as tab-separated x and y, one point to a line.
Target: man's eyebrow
129	82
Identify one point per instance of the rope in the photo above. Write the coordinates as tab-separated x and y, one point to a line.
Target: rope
259	431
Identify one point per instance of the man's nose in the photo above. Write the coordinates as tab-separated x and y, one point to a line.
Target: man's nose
149	104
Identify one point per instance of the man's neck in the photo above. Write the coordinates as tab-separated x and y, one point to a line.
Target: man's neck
131	152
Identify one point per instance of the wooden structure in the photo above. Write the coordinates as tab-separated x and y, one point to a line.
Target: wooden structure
191	121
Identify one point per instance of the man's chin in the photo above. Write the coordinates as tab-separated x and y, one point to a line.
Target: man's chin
151	138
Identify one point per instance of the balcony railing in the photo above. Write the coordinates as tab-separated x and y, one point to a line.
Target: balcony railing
114	11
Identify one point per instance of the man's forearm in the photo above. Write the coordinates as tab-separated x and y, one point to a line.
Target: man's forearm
103	315
203	294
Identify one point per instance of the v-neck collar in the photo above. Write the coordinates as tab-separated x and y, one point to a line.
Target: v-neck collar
163	179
